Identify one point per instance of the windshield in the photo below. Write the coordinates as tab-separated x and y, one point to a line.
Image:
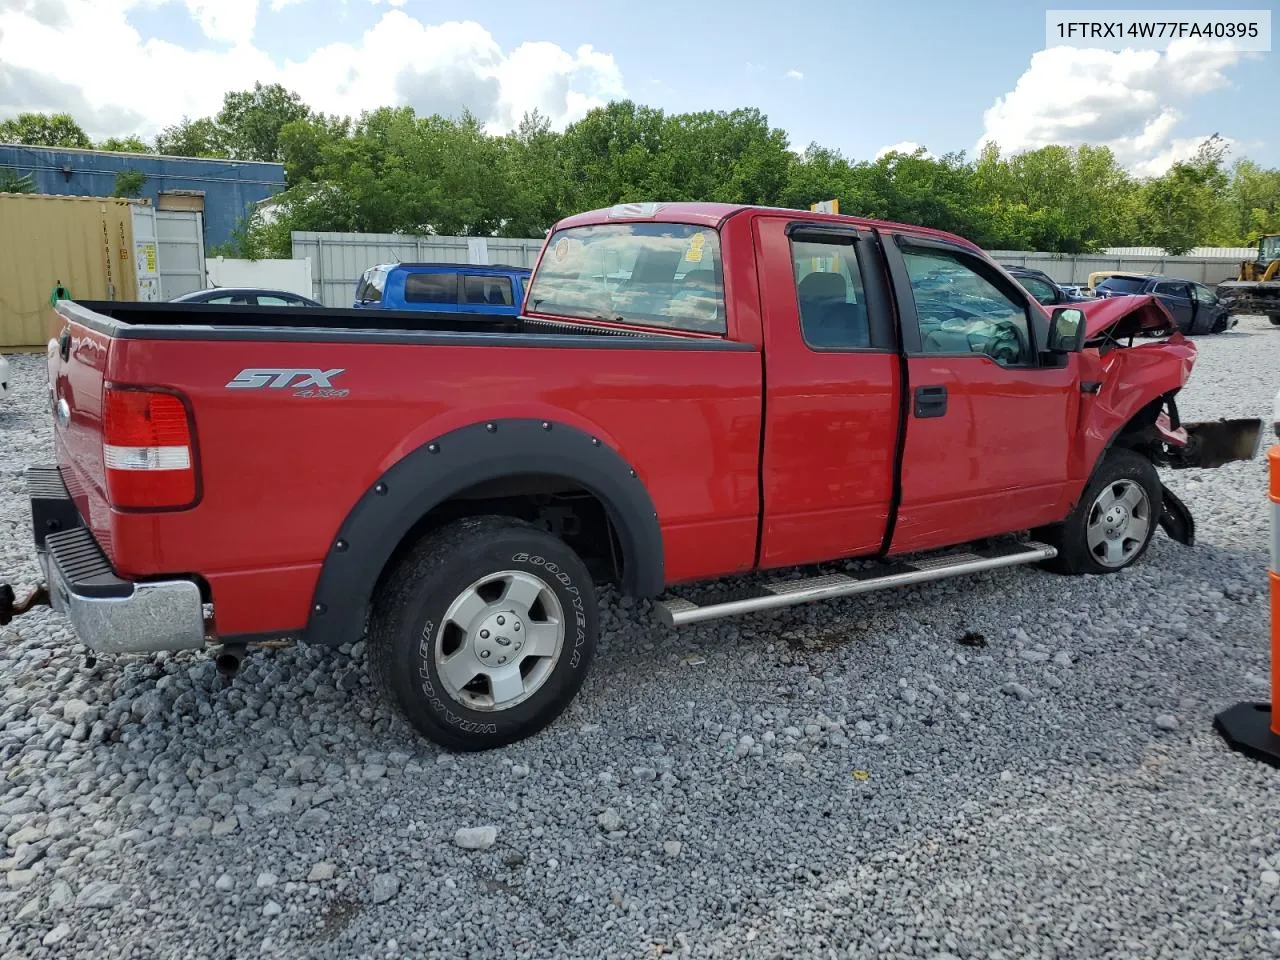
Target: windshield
1270	248
656	274
1123	284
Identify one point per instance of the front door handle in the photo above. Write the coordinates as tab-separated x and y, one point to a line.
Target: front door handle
931	402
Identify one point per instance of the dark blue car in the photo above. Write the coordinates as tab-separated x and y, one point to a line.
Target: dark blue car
1195	307
495	291
1040	285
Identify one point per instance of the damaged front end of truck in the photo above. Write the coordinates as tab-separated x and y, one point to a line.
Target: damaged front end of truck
1134	364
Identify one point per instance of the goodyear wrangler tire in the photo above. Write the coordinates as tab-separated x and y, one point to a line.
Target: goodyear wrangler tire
484	632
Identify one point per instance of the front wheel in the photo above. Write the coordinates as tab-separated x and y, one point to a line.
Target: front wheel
1114	521
484	631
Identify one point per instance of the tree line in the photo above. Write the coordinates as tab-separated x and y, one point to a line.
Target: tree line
392	171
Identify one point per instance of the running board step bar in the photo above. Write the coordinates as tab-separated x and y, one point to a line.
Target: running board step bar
678	612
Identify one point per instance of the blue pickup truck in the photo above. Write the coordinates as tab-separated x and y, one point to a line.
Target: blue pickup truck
494	291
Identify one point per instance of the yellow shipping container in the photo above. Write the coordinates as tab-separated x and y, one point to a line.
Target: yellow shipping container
83	243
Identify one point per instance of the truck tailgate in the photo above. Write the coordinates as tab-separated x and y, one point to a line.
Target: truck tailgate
77	366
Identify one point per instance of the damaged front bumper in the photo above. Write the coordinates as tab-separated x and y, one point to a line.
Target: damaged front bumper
1213	443
1201	445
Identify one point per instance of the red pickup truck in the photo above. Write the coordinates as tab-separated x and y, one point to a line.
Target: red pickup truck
693	390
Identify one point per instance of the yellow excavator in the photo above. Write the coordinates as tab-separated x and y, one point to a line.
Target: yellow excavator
1256	289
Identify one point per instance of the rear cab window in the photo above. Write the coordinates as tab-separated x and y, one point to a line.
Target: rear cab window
652	274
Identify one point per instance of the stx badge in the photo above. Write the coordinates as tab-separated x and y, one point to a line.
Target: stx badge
305	383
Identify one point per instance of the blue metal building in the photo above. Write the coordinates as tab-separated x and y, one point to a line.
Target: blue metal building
229	188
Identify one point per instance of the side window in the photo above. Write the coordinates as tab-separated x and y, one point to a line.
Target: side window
495	291
833	306
1204	294
268	301
1039	289
961	311
431	288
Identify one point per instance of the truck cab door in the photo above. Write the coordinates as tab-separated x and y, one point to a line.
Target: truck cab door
832	405
990	417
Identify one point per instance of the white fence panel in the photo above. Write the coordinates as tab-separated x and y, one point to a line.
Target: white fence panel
291	275
1075	268
338	259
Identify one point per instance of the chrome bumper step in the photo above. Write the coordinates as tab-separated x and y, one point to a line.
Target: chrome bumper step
679	611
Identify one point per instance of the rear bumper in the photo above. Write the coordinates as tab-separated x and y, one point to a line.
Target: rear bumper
109	614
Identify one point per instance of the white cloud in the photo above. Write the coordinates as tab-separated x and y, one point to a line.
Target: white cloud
399	60
1126	100
902	146
793	75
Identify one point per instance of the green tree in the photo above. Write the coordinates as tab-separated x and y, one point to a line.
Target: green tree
192	138
1177	211
129	183
11	181
44	130
130	144
251	121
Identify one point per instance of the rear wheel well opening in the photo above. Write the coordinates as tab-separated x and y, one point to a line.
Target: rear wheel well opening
559	505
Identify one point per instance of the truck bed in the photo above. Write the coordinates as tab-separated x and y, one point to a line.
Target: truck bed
192	321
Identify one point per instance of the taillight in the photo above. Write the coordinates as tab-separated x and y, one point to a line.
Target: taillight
148	449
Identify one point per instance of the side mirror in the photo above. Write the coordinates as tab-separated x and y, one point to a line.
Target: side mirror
1066	330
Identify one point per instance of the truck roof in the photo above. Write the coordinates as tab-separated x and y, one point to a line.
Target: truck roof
468	267
715	214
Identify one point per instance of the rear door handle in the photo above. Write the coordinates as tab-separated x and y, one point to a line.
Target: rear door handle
931	402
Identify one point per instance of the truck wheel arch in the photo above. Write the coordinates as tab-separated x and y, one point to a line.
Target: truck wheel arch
433	473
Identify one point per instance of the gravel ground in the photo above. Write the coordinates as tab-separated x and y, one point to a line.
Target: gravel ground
843	780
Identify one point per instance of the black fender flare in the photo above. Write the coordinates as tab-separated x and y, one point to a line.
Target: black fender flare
453	462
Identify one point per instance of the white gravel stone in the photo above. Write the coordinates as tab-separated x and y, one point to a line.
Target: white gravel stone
320	871
56	935
100	895
476	838
385	886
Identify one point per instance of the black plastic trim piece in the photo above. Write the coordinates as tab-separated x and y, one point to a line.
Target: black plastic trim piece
84	566
52	509
456	461
908	321
889	283
1176	519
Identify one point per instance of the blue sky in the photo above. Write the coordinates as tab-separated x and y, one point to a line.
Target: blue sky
866	75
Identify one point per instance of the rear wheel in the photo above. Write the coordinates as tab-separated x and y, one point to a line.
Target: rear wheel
1114	521
483	633
1274	318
